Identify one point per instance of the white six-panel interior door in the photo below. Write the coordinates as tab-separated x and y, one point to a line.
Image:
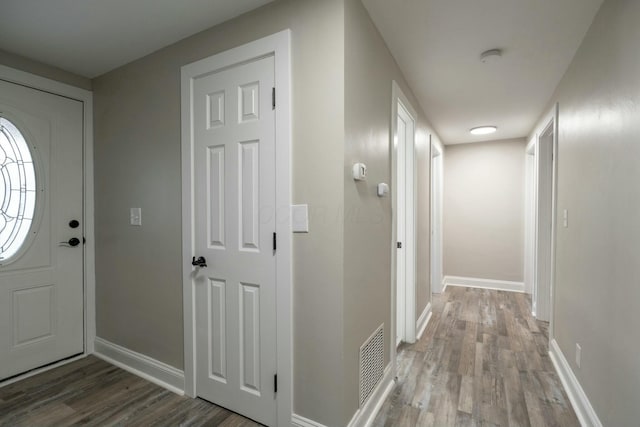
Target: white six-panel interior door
41	284
234	222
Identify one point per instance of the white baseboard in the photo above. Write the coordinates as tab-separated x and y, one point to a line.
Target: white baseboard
472	282
299	421
364	416
143	366
423	321
579	400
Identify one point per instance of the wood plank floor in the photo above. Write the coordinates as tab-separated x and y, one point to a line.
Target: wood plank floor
482	361
91	392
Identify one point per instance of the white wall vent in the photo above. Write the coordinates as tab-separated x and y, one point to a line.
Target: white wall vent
371	363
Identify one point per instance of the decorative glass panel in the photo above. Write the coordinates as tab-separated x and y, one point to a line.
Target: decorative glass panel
17	189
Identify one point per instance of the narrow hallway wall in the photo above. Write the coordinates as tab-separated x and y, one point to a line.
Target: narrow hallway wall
597	296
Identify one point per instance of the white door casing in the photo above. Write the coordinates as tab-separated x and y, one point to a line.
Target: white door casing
544	149
42	298
236	192
436	217
401	227
404	119
530	221
544	223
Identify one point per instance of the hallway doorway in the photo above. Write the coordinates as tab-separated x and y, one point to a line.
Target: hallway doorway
540	213
437	164
404	253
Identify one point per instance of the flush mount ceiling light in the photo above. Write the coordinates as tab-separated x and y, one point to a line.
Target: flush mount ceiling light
491	55
483	130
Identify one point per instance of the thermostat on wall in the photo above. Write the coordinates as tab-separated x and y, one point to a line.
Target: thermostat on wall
359	171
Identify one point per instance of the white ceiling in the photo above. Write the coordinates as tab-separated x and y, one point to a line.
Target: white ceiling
91	37
437	44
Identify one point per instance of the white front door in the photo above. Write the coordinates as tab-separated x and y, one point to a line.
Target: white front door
41	268
234	224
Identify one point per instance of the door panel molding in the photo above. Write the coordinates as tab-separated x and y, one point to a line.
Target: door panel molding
278	46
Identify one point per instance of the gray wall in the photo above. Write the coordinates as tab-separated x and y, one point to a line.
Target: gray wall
25	64
369	70
597	296
137	138
483	219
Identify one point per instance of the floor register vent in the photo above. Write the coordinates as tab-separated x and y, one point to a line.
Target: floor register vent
371	364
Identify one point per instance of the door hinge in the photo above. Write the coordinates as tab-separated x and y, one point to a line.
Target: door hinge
275	383
399	245
275	242
273	98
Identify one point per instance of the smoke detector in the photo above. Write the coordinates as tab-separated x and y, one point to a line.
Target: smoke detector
491	55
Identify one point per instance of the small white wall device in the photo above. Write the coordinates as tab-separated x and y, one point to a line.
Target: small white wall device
383	189
359	171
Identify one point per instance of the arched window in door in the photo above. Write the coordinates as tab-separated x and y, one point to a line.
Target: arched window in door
17	190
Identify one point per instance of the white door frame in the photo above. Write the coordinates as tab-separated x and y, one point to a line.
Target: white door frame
549	123
436	189
278	45
530	192
86	98
398	97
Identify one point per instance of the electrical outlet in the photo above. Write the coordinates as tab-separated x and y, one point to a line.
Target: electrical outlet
135	216
578	354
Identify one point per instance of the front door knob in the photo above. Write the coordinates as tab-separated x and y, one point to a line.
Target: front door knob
200	262
74	241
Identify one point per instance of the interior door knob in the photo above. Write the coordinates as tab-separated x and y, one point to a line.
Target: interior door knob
200	262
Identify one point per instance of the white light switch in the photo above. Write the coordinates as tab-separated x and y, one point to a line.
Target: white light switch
565	218
135	216
300	218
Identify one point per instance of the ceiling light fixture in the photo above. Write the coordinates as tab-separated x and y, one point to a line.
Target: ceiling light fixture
483	130
491	55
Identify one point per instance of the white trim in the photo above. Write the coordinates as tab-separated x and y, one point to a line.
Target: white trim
579	400
444	286
365	416
398	97
279	45
299	421
143	366
472	282
436	189
423	320
530	203
86	97
545	301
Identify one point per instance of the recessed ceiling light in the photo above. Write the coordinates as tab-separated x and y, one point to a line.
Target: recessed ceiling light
483	130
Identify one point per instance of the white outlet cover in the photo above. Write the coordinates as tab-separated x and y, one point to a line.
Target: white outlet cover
135	216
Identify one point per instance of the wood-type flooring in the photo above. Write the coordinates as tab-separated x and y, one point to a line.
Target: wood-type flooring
91	392
482	361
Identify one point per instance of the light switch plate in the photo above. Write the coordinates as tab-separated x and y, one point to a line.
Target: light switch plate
135	216
300	218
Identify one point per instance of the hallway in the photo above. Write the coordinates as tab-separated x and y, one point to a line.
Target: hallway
483	360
